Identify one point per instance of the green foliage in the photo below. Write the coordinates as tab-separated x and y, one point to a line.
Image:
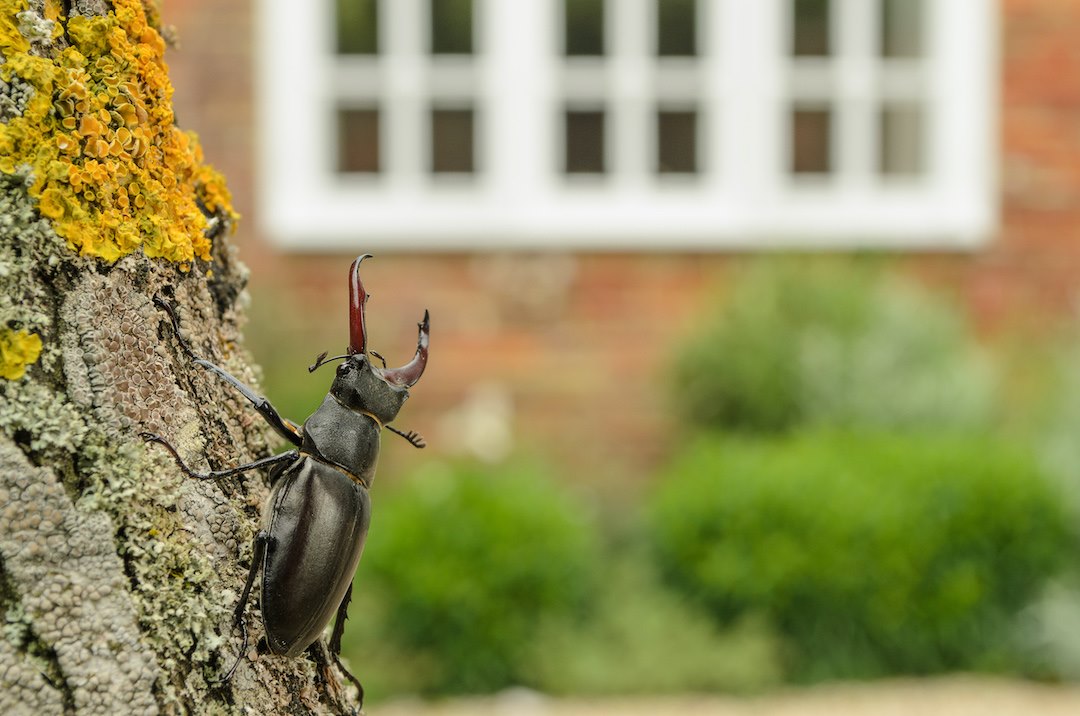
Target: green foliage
831	344
872	554
469	561
639	637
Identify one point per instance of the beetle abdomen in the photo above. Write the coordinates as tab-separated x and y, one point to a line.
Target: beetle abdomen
318	521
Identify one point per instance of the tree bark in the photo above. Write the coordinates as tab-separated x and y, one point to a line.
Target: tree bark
118	575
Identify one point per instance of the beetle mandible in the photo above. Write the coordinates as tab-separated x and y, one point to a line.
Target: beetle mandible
316	518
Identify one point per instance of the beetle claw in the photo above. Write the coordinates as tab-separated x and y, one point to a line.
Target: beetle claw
357	298
407	375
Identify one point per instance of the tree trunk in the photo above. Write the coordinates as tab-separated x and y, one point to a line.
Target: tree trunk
118	575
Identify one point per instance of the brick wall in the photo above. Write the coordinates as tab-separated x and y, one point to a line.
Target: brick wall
576	358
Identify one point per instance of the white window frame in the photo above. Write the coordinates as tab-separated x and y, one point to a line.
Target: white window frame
744	196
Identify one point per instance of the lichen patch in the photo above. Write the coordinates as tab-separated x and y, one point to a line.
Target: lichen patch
18	349
73	578
94	127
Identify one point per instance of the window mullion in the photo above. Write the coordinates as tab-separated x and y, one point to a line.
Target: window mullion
856	133
520	115
404	139
962	140
631	66
746	73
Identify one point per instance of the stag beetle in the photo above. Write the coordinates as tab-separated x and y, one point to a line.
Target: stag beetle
316	520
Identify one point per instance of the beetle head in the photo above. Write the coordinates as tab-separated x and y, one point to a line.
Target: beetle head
363	386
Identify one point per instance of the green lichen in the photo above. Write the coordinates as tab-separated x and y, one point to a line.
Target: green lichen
29	242
13	98
57	425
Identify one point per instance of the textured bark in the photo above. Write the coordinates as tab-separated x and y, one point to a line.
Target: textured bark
118	575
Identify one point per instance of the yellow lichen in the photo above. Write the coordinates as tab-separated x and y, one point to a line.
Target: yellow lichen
18	349
11	40
111	169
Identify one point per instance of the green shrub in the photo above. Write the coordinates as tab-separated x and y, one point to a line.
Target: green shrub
461	565
871	554
640	637
831	344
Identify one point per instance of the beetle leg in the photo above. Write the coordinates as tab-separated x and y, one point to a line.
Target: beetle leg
335	641
258	551
415	439
218	474
175	320
283	426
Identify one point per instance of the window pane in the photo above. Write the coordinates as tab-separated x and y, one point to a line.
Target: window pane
901	28
452	141
676	142
901	139
584	31
676	28
451	27
357	27
358	140
811	27
810	141
585	142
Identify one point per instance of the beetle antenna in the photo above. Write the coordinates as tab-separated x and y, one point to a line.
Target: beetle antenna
415	439
322	360
376	354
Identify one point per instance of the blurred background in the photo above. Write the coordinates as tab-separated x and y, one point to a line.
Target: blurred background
753	358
